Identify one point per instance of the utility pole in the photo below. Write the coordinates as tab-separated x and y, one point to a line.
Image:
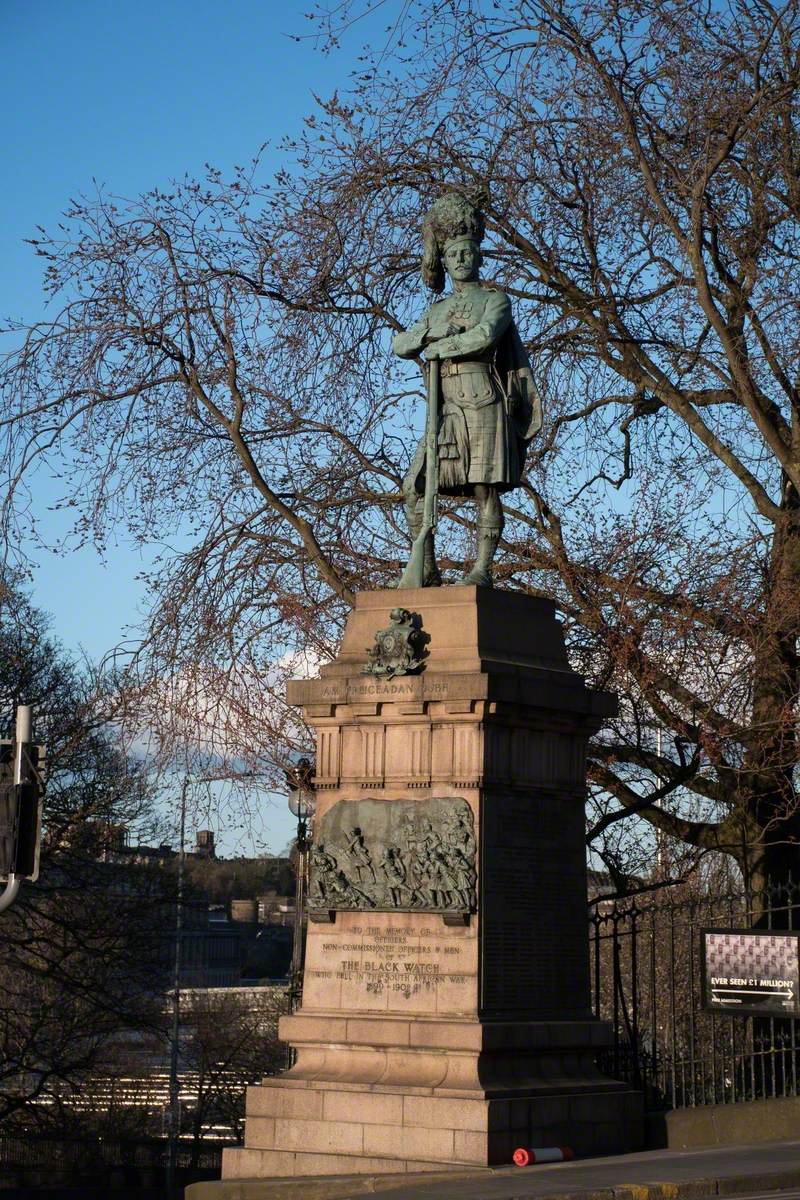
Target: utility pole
174	1096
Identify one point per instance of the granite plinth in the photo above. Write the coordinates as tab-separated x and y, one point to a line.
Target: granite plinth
423	1040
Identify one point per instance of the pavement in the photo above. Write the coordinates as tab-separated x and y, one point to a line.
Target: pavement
650	1175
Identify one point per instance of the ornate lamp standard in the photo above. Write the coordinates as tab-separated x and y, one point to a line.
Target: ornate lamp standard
302	803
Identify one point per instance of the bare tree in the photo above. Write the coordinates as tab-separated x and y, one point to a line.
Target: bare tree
80	957
220	366
231	1041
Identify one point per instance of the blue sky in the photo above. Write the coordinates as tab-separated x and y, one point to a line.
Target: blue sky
132	95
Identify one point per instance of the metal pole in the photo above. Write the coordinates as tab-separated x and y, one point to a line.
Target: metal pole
299	910
661	863
174	1102
21	740
10	892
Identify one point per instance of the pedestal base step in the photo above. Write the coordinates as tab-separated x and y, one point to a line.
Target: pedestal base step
252	1164
305	1131
324	1187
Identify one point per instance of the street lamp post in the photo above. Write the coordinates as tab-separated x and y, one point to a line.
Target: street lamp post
174	1082
302	803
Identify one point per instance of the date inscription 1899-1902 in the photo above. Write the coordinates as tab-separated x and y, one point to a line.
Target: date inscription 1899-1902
390	855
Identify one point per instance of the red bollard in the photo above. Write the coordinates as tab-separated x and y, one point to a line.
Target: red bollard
525	1158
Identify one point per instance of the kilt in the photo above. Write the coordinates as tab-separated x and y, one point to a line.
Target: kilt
477	442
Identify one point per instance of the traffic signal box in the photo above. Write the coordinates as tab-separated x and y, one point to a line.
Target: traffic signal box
20	811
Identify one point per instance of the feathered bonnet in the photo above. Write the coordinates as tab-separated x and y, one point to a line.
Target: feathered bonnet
452	217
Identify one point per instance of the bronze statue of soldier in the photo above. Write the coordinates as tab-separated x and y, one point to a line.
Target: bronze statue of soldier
490	407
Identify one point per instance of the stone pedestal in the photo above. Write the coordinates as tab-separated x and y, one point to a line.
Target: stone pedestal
445	1018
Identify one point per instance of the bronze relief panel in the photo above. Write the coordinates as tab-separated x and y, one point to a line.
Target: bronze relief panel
394	855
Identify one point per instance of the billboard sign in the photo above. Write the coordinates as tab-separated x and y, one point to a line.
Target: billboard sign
751	972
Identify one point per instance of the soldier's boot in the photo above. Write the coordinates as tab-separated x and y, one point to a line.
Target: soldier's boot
481	573
431	576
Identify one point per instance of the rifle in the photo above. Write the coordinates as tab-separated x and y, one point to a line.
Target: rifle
414	573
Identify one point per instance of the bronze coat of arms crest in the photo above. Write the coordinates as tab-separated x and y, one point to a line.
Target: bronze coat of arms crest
399	648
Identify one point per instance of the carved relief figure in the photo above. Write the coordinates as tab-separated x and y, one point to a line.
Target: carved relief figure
464	877
359	855
459	833
430	845
416	870
391	865
326	871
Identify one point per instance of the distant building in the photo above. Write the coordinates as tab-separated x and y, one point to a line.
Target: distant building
246	937
211	956
204	844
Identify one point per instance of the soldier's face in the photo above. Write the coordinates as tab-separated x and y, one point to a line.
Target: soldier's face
462	260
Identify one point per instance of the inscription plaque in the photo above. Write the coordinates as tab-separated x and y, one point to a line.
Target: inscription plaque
533	907
387	962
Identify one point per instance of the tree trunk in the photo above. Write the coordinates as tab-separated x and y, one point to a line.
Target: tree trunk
770	852
770	821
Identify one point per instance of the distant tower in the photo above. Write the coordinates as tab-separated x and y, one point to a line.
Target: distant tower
204	844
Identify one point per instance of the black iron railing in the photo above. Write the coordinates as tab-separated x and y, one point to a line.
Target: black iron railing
645	957
39	1150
